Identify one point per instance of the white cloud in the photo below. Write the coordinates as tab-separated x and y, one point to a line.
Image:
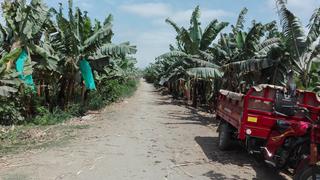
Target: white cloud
110	2
302	8
209	13
83	4
206	15
147	9
151	44
156	41
159	11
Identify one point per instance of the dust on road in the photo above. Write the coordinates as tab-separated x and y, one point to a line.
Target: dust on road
146	137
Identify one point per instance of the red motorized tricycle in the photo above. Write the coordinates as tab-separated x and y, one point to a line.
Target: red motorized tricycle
282	126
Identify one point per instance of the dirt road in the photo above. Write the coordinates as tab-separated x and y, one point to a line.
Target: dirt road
146	137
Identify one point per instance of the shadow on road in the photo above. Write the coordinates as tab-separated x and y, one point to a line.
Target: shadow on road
238	156
192	116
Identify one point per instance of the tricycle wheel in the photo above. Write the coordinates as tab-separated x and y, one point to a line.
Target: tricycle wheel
308	173
224	136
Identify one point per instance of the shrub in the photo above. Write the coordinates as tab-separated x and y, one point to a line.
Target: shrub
95	101
111	91
28	105
76	110
50	118
10	112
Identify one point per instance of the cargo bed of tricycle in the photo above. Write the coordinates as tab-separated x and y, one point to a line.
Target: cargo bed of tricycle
253	113
282	125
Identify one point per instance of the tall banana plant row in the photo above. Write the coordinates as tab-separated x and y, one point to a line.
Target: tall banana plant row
213	59
53	59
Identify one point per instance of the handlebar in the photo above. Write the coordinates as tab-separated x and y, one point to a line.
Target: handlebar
305	111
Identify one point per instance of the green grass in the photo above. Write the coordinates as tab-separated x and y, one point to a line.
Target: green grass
129	89
111	92
16	177
50	118
80	126
28	137
46	129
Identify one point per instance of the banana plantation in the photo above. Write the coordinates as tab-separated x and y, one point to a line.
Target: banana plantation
57	63
202	62
224	99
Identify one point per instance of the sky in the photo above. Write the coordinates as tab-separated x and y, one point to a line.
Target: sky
142	22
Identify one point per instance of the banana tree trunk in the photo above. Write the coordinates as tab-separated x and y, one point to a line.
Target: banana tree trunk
62	96
203	92
39	90
47	96
15	45
275	73
181	88
195	94
187	94
71	84
176	93
83	92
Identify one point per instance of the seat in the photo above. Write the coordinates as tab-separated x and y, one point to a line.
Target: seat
285	105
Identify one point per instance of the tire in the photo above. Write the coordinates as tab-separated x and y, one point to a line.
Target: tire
307	173
224	136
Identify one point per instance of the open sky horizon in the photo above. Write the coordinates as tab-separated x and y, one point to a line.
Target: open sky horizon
142	22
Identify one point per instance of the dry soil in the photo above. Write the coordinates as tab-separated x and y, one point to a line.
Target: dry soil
146	137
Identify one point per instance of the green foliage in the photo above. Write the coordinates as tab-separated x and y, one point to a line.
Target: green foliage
243	57
303	49
204	73
54	48
112	91
26	20
45	117
16	109
96	101
76	110
150	74
10	112
184	61
128	88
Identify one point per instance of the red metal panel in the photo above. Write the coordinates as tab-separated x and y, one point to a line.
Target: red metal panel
261	98
260	104
258	132
228	118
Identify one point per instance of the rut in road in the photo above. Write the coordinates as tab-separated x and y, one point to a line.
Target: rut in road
146	137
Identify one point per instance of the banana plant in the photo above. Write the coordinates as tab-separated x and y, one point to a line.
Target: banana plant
244	54
25	26
182	62
303	48
9	81
78	44
190	43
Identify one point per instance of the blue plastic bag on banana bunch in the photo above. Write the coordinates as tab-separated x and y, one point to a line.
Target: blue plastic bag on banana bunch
87	75
20	66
